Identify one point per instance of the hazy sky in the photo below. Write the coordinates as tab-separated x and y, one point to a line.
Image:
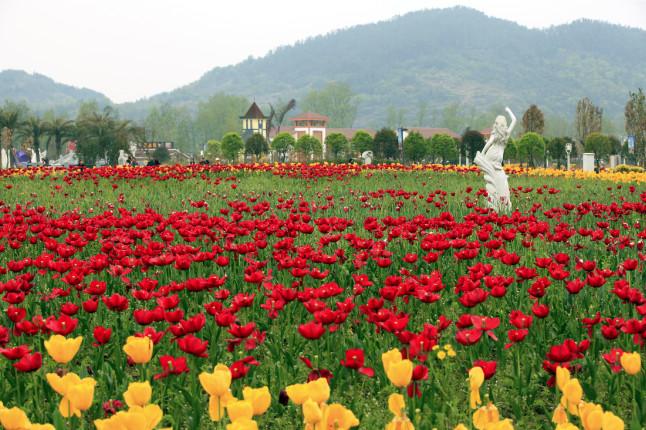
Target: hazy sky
128	49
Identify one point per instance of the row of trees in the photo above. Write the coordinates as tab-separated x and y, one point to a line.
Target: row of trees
99	134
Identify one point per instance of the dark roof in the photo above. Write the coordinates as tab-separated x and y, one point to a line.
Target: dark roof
310	116
254	112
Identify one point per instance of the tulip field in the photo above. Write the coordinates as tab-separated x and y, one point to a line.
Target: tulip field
320	297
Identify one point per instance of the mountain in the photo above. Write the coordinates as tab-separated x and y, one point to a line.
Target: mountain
42	93
444	56
438	57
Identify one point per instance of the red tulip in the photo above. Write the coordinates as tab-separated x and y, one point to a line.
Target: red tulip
15	353
311	330
468	337
101	335
171	366
488	367
194	346
29	362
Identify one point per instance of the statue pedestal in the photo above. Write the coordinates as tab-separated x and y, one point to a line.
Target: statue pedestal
496	184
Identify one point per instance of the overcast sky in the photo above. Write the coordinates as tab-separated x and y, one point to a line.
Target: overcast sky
128	49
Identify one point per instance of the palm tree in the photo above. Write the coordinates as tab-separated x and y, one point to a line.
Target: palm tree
277	116
9	119
101	135
34	128
59	129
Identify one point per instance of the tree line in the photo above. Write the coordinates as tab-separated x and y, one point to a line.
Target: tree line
101	134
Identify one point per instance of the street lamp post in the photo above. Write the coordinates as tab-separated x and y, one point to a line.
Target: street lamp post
568	149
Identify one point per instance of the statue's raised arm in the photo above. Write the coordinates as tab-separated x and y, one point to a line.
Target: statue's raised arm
513	120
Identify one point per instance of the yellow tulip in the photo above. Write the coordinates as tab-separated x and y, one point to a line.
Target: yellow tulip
631	362
243	424
77	393
486	416
505	424
218	382
217	405
400	424
611	421
152	415
123	420
312	413
476	379
562	377
390	357
337	417
460	427
61	384
397	405
138	394
591	415
14	419
139	349
61	349
298	393
566	426
319	390
81	395
239	409
259	398
560	415
400	373
572	392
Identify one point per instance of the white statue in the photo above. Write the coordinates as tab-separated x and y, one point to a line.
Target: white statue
123	158
490	162
367	157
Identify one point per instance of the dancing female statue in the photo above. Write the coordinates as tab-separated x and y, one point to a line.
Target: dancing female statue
490	163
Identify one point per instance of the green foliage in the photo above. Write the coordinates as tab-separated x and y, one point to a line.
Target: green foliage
282	143
172	124
161	154
213	150
33	128
445	148
533	120
556	148
531	148
256	145
232	144
337	145
61	130
416	148
588	118
362	141
624	168
335	100
472	142
219	115
386	144
598	143
511	150
103	135
395	117
308	146
635	115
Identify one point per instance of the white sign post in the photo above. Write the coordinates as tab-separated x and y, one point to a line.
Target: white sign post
588	162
